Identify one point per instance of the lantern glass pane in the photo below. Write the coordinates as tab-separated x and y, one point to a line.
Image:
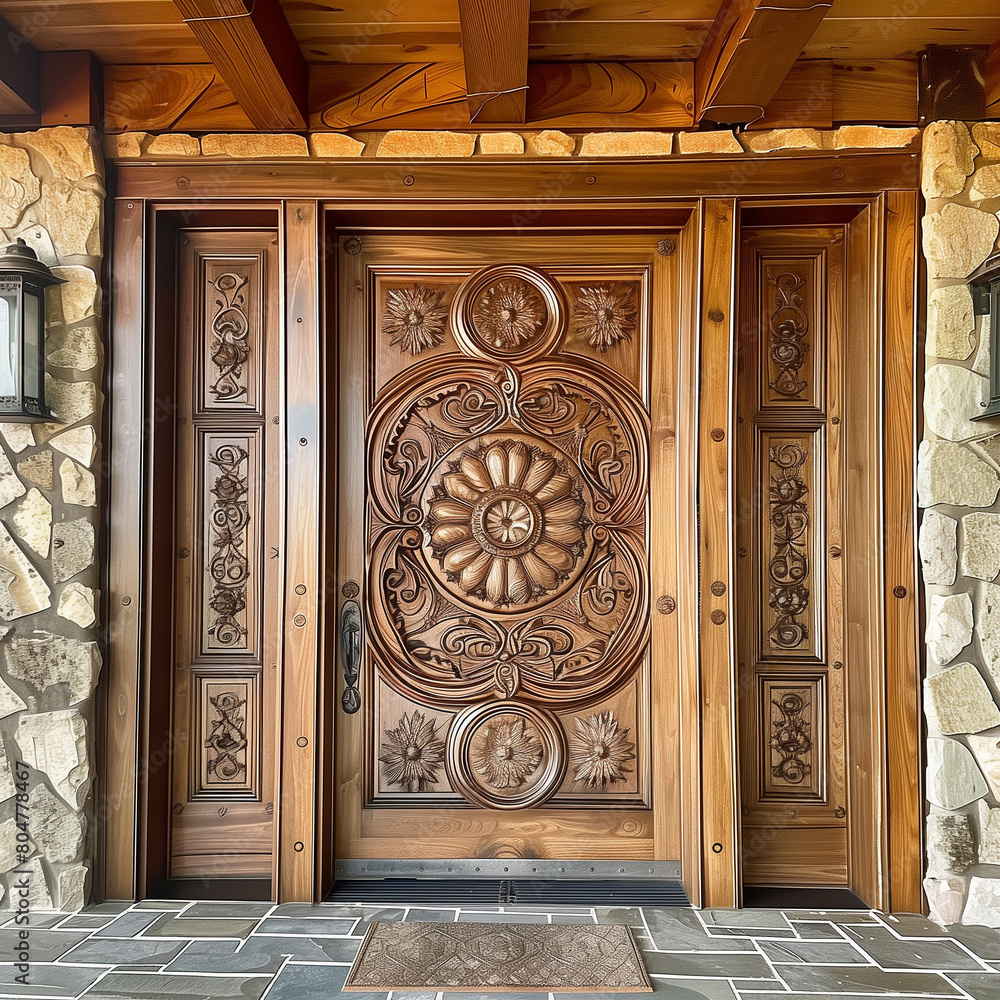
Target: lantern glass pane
10	322
33	343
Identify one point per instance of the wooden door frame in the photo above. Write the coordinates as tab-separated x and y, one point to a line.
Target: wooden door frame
622	190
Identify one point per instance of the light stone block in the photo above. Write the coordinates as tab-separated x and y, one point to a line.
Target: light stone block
7	788
981	545
985	184
81	443
950	847
501	144
17	436
953	777
33	522
947	159
411	143
55	829
989	448
80	350
986	135
125	145
72	888
19	187
719	141
72	548
254	145
627	144
988	627
872	137
957	700
334	144
46	660
78	485
986	749
950	473
10	486
952	396
72	218
983	903
80	293
949	626
951	323
10	702
71	402
9	856
78	604
782	138
55	743
68	151
989	834
946	898
39	897
174	144
550	142
957	240
37	469
938	547
22	590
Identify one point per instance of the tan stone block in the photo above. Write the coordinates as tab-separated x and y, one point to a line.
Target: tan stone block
950	849
782	138
411	143
78	484
720	141
38	469
549	142
872	136
952	396
981	545
33	521
501	144
950	473
985	183
946	159
938	547
946	897
949	626
627	144
80	350
72	217
22	590
986	748
254	145
55	743
79	443
78	604
983	905
79	293
70	151
957	700
334	144
125	145
10	486
70	402
951	323
18	437
957	240
986	136
19	187
174	144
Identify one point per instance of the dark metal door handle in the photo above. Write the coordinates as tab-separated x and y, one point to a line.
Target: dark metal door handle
352	638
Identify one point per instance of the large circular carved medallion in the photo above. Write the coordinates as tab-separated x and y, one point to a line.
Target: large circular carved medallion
508	312
506	755
506	523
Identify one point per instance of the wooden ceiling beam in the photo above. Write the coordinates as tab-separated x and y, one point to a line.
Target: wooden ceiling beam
993	81
20	76
253	48
495	51
749	50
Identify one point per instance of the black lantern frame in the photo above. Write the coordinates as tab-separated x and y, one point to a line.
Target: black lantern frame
984	283
23	281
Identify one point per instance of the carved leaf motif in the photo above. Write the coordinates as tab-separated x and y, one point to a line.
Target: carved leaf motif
788	326
227	743
412	753
789	564
414	317
229	567
791	739
231	329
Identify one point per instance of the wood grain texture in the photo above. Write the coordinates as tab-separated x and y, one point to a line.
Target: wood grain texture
902	636
992	81
70	89
879	90
20	73
119	802
804	99
749	50
256	54
720	809
302	626
798	857
495	49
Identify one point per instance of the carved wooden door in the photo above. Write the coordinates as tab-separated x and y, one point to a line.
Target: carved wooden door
226	581
496	551
791	555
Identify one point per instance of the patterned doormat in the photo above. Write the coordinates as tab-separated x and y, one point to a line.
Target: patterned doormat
499	958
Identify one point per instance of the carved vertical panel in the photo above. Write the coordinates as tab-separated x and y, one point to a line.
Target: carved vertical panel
792	715
227	714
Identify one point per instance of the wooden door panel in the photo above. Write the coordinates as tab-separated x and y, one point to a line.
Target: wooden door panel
495	468
790	549
226	579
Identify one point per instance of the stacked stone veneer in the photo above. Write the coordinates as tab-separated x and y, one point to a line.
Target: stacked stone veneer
958	485
52	195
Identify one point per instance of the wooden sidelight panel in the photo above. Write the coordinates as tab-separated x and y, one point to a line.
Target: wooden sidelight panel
226	572
791	550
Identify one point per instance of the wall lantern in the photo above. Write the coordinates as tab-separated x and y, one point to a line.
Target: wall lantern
23	280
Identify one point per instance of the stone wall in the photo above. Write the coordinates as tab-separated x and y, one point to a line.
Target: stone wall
958	484
52	195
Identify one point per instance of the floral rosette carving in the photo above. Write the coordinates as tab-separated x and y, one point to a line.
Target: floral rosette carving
414	318
228	566
507	522
506	751
510	313
412	753
605	315
600	751
231	329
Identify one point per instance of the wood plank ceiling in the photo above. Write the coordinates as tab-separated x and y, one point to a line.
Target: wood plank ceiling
199	65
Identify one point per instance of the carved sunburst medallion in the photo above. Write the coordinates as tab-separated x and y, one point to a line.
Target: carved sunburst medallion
600	751
507	523
506	751
510	313
605	315
412	753
414	318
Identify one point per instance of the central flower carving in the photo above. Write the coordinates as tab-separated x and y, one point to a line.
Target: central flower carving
510	312
507	522
506	752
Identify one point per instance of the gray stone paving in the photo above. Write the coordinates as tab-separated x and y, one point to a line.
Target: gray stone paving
172	950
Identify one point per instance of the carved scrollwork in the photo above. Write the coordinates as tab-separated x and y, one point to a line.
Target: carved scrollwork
788	327
230	327
599	751
412	753
788	568
791	739
227	742
229	567
605	314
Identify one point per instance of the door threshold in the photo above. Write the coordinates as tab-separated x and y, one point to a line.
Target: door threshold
501	869
786	897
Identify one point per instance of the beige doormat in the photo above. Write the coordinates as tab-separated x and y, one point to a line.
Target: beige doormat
499	958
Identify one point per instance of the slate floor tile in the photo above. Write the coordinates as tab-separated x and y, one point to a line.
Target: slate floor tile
316	982
685	989
129	924
135	951
864	979
161	904
984	986
38	919
681	930
712	965
109	906
239	909
631	915
834	916
889	952
48	980
310	926
163	986
912	925
307	949
168	925
813	953
466	916
87	921
745	918
816	930
984	941
417	913
237	957
368	914
43	945
571	918
751	932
